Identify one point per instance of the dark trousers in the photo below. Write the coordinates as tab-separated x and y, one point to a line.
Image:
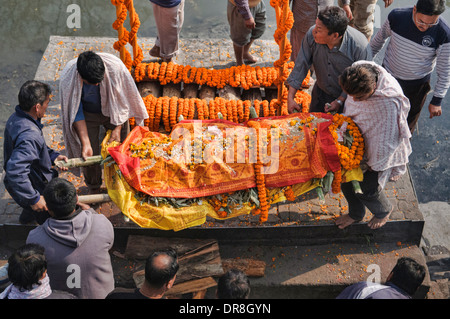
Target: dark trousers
372	197
94	122
319	98
417	94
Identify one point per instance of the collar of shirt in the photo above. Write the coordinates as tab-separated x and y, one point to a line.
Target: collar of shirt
24	114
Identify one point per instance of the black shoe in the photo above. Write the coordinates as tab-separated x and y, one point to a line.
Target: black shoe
27	217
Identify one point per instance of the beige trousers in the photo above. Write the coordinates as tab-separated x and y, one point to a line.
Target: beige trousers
305	14
169	22
363	15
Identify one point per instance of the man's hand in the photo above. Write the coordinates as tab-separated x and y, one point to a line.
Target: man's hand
250	23
387	3
62	158
348	12
434	110
40	206
83	206
293	106
87	151
115	135
332	107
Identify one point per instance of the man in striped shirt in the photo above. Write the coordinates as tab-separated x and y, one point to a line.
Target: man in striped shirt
419	43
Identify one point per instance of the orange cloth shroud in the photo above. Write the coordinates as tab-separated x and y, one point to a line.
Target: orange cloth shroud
210	157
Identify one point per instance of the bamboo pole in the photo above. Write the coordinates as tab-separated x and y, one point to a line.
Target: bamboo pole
94	199
80	162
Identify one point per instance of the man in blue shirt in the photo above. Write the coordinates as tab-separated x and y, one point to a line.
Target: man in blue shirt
27	158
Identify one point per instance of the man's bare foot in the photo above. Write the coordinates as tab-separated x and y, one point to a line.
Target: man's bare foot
250	58
344	221
376	223
155	52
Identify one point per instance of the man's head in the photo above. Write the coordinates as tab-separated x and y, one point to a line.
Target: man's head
426	13
27	266
407	274
61	197
359	81
34	97
91	68
331	24
161	268
234	284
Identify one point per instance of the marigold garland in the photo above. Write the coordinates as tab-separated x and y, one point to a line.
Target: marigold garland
264	204
245	76
122	6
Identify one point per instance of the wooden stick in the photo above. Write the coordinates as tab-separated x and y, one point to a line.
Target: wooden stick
80	162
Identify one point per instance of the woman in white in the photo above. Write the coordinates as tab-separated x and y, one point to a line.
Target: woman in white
377	105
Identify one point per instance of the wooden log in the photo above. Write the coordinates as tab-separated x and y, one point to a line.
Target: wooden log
171	90
251	267
252	94
192	286
190	91
207	93
147	88
229	93
270	94
197	258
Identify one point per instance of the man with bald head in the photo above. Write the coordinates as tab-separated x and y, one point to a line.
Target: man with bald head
161	268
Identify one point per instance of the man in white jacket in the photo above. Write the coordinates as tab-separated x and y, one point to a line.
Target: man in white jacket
97	90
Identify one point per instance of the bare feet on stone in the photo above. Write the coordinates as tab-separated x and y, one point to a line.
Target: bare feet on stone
344	221
376	223
249	58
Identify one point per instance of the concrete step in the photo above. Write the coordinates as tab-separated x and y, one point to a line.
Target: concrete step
323	271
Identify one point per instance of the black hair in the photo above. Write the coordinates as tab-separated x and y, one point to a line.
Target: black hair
61	197
408	275
31	93
158	276
234	284
334	19
430	7
90	66
26	266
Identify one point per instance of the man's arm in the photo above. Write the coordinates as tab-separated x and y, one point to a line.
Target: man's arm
302	65
346	6
244	10
443	79
377	42
17	173
82	132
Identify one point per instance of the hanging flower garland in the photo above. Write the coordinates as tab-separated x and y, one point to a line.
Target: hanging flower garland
264	204
122	6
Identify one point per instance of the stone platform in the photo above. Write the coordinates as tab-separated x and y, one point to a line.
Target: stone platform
292	226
